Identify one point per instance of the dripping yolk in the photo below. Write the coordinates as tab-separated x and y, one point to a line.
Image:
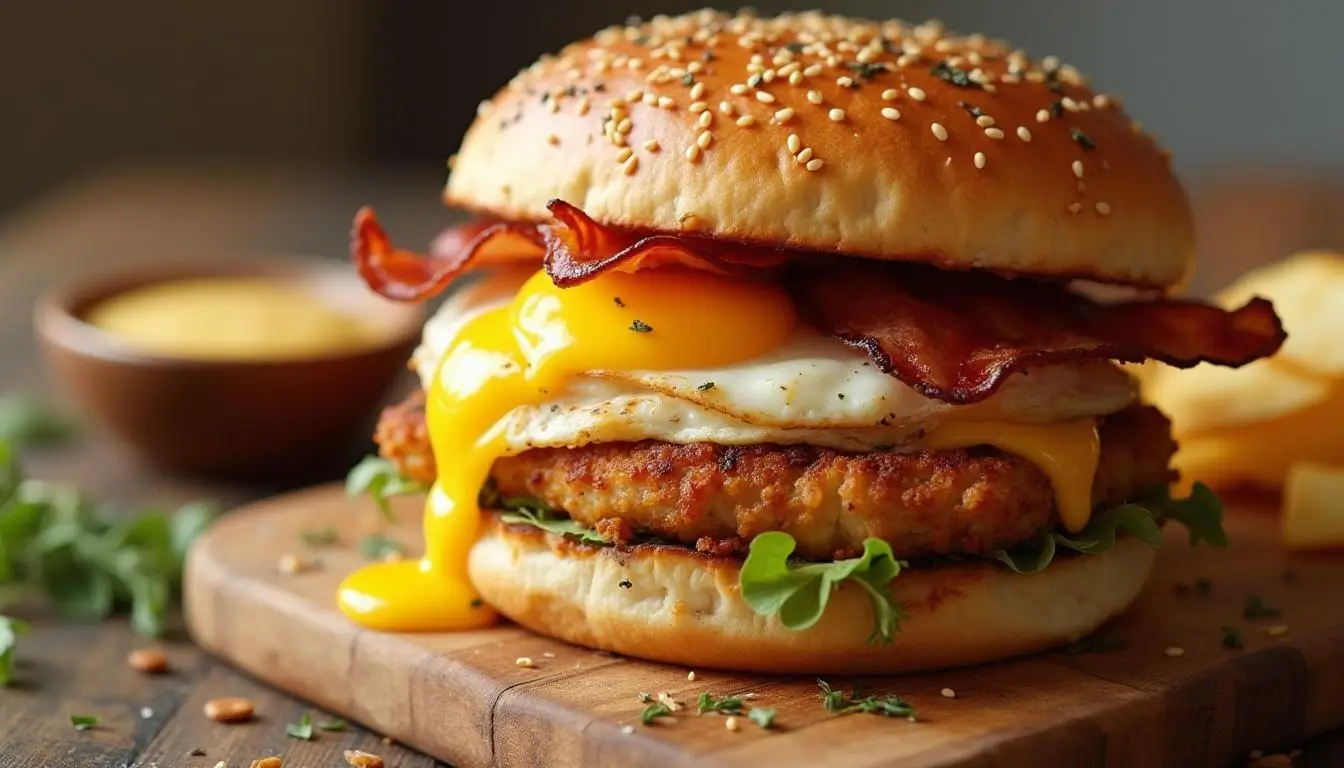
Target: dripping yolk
526	353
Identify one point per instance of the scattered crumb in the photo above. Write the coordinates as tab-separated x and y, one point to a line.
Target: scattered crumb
691	676
731	724
291	563
666	700
151	661
750	696
1278	630
911	719
268	762
229	709
146	712
221	764
548	655
948	693
387	741
363	759
1175	651
524	661
627	729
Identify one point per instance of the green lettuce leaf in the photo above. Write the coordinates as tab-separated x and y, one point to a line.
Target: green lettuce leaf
381	480
10	629
528	512
1201	512
798	594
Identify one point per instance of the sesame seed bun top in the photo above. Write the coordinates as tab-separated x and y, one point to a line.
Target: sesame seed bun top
875	139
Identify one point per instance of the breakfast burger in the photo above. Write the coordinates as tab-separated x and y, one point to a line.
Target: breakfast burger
777	346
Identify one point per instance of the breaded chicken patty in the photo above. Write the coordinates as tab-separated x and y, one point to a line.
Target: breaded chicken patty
716	497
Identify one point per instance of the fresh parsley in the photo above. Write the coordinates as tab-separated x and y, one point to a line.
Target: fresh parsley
87	560
654	710
85	722
798	593
1257	608
10	629
525	512
762	716
381	480
332	725
302	729
727	705
378	546
26	422
1201	513
889	705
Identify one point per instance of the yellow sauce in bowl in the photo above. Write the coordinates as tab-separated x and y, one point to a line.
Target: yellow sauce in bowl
229	318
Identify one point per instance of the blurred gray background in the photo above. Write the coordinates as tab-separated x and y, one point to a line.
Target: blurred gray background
1229	84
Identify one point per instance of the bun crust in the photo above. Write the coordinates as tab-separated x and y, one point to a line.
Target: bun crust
682	607
824	133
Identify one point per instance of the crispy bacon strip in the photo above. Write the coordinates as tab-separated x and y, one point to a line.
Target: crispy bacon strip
406	276
579	249
956	336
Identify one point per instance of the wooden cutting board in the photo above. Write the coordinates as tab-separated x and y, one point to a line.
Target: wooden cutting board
461	696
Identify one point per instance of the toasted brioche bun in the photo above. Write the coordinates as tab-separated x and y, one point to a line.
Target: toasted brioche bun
682	607
644	130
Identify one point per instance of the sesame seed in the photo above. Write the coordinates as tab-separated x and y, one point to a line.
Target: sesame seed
624	155
804	156
731	724
783	115
738	89
627	729
812	71
726	108
764	97
650	99
916	93
583	106
1069	104
697	91
691	676
984	121
836	114
814	164
1103	208
745	121
994	133
634	95
697	107
1175	651
652	145
948	693
1077	168
795	78
693	153
706	119
1042	115
890	94
979	159
704	139
553	140
814	97
524	661
625	126
794	144
1101	100
768	76
939	131
666	102
1023	133
1277	630
1075	207
891	113
844	81
553	107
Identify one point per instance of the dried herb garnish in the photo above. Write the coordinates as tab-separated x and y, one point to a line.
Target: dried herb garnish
1057	109
688	79
954	75
1233	638
867	70
625	584
1257	608
639	326
969	107
618	301
762	716
708	385
1083	139
727	705
85	722
795	47
889	705
654	710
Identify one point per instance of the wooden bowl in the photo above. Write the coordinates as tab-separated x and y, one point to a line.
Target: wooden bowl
272	419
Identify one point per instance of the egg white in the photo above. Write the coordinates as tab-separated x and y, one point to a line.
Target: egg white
812	389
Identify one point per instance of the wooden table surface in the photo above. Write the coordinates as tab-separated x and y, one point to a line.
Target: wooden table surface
161	215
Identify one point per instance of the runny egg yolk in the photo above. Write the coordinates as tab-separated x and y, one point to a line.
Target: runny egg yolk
523	354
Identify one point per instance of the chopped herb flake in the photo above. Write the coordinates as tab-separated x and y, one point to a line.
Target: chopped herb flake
708	385
688	79
639	326
889	705
1257	608
1233	638
762	716
333	725
85	722
1083	139
625	584
958	77
618	301
728	705
654	710
302	729
378	546
319	537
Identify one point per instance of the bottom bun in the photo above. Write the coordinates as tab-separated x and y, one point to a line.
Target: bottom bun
674	605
